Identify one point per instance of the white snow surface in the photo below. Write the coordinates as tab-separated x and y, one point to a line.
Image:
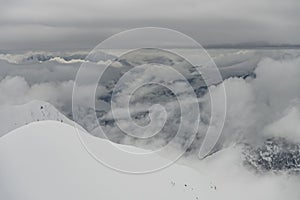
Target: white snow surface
45	160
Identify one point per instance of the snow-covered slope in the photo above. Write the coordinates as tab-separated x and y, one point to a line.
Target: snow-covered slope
45	160
14	116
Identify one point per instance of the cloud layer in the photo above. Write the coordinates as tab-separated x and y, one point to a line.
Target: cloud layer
56	24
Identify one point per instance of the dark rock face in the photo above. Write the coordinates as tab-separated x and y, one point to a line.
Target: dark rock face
276	155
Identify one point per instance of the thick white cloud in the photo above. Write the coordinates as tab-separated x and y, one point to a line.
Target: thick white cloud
288	126
240	109
16	90
267	106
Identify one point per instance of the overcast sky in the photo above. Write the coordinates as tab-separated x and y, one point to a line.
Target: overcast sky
82	24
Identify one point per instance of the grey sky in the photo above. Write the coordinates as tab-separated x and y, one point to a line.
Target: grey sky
77	24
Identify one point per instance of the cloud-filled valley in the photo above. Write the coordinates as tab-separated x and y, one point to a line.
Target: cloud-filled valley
259	99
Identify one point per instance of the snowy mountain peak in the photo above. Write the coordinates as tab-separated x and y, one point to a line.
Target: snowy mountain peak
15	116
